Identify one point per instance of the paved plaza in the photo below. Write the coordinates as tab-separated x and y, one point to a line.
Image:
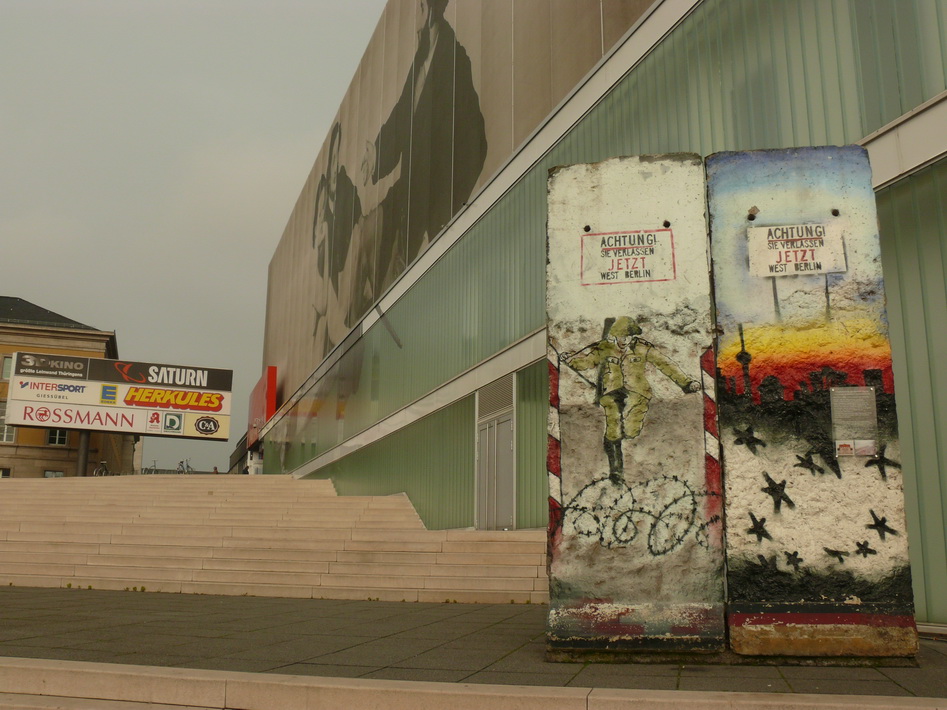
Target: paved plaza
453	643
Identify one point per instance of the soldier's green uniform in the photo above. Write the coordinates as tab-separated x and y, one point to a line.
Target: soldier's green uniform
623	389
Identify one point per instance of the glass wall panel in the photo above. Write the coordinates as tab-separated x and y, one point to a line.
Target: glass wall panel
432	460
913	219
532	405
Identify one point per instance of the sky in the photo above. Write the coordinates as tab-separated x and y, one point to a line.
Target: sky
151	152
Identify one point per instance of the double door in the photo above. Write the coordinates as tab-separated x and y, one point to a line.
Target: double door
496	474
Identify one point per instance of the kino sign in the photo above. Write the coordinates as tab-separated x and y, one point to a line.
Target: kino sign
67	392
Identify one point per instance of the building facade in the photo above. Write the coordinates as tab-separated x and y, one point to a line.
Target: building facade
405	308
28	452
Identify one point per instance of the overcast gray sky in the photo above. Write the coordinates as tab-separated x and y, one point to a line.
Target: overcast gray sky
151	152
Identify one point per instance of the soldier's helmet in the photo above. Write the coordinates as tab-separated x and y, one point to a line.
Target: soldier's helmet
623	327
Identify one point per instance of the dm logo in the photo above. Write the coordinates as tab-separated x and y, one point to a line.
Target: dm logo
109	394
207	425
173	423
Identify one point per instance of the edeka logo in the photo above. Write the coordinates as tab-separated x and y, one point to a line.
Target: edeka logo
173	423
207	425
109	394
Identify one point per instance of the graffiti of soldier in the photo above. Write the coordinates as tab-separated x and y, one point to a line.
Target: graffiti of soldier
622	388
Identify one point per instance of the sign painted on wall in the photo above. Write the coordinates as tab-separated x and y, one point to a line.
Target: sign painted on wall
628	257
113	395
796	250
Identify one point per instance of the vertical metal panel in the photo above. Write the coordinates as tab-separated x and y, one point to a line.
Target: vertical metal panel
432	461
913	216
505	502
532	406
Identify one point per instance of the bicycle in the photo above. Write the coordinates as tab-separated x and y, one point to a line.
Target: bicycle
102	469
185	466
152	469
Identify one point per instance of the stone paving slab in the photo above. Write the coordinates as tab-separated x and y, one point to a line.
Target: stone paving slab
495	644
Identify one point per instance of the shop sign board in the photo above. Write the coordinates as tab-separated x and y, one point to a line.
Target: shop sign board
66	392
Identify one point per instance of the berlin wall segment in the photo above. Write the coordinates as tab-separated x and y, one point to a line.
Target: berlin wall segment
816	550
635	534
817	554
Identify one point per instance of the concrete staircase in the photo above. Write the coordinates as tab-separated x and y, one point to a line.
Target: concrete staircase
253	535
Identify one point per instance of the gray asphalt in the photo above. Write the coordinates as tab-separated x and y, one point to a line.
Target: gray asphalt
470	643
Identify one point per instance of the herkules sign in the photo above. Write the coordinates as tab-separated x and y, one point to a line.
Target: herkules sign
117	395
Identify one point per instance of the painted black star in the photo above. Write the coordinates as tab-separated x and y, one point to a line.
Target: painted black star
777	491
824	447
759	528
840	555
807	463
880	525
793	559
748	439
767	565
864	550
882	462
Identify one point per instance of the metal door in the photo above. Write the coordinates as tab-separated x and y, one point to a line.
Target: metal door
496	474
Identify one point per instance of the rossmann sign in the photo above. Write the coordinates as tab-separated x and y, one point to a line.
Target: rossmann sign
118	395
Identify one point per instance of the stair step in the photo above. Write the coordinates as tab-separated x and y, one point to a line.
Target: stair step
266	536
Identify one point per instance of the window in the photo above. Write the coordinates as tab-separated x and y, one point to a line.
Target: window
7	367
52	474
4	472
57	437
7	433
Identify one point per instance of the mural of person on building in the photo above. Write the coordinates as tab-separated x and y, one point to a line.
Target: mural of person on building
320	245
622	387
434	140
343	259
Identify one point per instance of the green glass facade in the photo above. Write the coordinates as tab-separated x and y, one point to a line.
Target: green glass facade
532	485
431	461
913	217
733	75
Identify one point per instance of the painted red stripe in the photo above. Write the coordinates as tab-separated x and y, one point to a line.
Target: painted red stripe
821	619
554	531
708	362
553	385
714	504
553	456
710	416
713	478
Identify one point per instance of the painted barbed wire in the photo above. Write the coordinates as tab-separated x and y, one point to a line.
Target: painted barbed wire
615	513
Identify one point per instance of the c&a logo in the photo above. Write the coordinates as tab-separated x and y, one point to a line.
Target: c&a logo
207	425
